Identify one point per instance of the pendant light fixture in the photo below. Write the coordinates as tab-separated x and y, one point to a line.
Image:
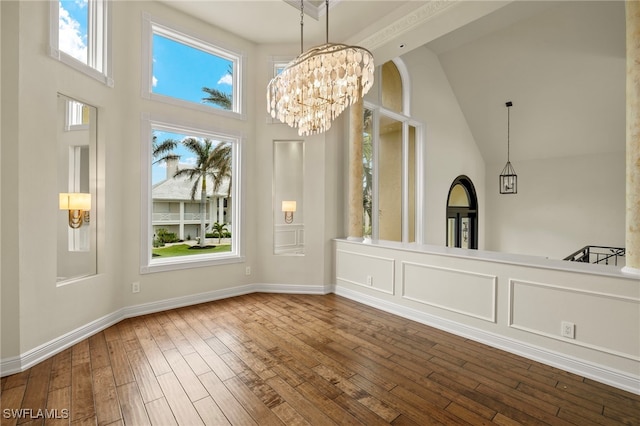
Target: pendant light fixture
508	177
313	89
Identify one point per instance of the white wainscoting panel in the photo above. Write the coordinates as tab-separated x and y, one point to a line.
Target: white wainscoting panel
601	319
456	290
366	270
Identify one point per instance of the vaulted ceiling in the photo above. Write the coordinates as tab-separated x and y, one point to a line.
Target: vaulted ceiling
561	63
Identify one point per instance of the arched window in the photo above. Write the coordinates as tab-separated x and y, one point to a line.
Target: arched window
392	152
462	214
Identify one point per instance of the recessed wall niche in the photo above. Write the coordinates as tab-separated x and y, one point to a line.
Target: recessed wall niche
288	202
76	223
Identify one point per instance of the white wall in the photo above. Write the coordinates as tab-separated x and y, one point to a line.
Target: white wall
450	147
562	205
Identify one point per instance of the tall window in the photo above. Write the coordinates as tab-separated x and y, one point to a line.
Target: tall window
187	71
80	36
193	185
392	165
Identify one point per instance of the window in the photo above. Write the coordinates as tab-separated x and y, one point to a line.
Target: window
187	71
80	36
192	184
392	163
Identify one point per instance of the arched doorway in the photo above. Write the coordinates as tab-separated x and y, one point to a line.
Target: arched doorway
462	214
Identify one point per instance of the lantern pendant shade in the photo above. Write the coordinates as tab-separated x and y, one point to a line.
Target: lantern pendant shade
508	178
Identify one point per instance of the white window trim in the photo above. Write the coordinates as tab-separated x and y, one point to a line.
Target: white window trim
276	63
151	26
99	54
149	265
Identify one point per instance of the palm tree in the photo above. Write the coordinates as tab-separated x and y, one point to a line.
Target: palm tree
211	162
218	97
164	151
219	228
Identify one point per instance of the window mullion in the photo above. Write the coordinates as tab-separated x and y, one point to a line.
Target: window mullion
375	195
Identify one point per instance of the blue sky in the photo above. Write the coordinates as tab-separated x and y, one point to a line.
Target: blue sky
181	71
72	34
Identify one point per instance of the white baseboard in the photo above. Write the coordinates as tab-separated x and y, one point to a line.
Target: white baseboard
33	356
599	373
596	372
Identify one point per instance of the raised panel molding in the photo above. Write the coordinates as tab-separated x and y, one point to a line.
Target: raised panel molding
374	272
456	290
596	315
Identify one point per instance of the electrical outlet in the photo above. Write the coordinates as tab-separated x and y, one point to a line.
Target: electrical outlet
568	329
135	287
247	270
369	280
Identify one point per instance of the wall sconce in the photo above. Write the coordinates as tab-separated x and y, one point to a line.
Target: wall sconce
288	207
78	204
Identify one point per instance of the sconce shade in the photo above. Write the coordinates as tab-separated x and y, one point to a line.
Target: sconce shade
78	204
75	201
289	206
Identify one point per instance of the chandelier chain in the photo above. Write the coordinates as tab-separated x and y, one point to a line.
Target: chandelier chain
301	26
327	23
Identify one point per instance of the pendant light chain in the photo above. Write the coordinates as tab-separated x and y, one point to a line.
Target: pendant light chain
508	132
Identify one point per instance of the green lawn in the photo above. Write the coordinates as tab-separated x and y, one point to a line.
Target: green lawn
183	250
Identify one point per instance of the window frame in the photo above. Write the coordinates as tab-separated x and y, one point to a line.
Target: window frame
236	255
420	174
375	105
152	25
99	54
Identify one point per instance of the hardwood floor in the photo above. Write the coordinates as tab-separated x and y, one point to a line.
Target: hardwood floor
270	359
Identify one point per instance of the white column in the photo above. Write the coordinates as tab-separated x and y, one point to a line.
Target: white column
181	222
221	210
632	243
356	124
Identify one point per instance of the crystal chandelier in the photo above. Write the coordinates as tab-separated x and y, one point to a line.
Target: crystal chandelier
319	84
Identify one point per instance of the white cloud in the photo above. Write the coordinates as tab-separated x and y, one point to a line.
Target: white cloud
226	79
82	3
70	40
154	81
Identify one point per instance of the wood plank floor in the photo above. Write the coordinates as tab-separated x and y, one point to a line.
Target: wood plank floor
272	359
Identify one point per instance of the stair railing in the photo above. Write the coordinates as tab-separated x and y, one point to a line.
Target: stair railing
597	254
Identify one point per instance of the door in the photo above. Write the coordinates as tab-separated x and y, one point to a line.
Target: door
462	215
